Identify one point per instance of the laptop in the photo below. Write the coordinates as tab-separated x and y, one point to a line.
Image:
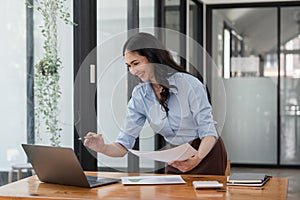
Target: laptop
60	165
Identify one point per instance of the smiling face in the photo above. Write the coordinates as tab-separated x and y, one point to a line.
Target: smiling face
139	66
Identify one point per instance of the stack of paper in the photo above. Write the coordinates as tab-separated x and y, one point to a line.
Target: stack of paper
247	179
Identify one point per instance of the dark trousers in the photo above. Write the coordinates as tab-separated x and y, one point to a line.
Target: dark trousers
213	164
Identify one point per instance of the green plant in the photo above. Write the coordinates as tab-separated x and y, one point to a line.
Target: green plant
46	76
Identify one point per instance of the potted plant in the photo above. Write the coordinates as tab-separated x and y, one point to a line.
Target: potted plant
47	70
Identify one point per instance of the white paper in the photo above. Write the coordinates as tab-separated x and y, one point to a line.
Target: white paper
180	153
148	180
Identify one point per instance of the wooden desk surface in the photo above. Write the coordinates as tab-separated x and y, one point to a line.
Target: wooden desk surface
32	188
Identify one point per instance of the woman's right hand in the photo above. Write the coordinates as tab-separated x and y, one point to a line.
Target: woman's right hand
94	142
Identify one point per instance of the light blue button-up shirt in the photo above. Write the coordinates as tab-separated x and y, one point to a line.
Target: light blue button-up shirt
189	117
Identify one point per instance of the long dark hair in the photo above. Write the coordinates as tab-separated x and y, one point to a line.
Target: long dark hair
149	46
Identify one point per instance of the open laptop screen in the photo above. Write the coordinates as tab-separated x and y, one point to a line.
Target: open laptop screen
60	165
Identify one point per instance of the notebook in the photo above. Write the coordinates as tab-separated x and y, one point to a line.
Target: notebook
248	179
60	165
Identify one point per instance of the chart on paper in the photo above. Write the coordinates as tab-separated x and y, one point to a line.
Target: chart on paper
150	180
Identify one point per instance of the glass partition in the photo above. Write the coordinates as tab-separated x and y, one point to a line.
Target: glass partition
112	81
290	85
172	21
146	19
243	40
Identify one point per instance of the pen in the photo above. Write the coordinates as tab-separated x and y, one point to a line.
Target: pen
85	137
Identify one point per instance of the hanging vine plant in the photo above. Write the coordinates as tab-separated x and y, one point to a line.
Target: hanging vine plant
46	76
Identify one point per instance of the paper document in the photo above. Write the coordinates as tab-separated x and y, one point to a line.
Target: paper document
149	180
180	153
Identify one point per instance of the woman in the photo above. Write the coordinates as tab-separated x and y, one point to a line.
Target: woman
174	103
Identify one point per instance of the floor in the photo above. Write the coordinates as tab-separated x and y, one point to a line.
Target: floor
292	174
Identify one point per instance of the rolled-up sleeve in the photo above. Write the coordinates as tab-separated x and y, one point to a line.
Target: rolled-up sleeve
126	140
201	110
133	123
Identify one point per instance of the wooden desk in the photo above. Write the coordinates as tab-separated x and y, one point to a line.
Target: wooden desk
32	188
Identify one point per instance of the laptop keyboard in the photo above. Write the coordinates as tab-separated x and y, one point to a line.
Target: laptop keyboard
94	180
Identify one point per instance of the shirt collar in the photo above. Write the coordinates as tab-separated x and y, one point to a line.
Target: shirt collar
172	88
172	83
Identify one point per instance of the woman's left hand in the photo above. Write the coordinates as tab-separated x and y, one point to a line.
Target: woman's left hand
186	165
